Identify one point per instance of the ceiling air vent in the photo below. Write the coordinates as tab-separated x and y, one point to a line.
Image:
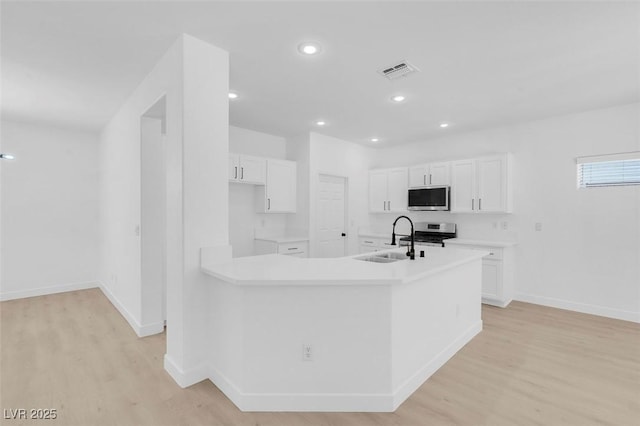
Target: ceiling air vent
401	69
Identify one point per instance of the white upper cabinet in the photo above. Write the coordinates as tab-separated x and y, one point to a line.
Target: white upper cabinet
429	174
388	190
492	184
463	185
378	191
439	173
247	169
279	194
481	185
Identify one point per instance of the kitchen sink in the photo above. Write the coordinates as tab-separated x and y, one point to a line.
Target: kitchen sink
383	257
393	255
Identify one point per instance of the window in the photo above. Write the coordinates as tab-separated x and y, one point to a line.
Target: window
609	170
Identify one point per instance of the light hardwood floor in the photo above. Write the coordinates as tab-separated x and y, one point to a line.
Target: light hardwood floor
531	365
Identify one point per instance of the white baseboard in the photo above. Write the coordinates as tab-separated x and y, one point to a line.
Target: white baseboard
184	378
406	389
139	329
334	402
584	308
340	402
43	291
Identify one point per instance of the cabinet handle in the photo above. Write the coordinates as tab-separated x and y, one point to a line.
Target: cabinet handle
479	203
241	172
368	242
268	203
430	178
235	176
292	248
389	205
424	179
472	203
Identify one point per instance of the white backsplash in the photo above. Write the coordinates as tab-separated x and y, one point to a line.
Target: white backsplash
472	226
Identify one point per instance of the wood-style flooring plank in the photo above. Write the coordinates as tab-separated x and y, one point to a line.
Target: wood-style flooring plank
531	365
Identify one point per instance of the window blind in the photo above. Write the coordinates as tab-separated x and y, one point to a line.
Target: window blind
609	170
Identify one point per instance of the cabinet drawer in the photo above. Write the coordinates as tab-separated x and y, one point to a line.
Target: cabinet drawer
494	253
292	248
369	242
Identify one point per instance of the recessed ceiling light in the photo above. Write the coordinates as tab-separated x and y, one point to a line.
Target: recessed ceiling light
309	48
444	125
374	139
320	123
233	95
398	98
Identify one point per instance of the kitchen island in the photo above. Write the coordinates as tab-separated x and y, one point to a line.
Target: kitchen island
339	334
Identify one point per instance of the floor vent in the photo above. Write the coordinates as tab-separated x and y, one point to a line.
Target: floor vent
401	69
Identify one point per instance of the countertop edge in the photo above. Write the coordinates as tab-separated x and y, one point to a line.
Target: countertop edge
472	242
280	240
477	255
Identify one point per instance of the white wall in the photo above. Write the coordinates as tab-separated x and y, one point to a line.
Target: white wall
243	217
50	208
193	76
587	256
337	157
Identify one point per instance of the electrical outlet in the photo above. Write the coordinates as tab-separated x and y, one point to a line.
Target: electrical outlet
307	353
505	225
538	226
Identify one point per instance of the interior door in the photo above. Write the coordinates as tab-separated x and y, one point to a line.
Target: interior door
331	216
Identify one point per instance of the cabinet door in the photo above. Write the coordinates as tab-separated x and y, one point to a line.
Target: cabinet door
439	174
378	191
281	186
463	191
252	170
233	167
492	279
492	184
418	176
397	190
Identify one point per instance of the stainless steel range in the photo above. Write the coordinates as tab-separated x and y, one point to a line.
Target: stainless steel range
431	234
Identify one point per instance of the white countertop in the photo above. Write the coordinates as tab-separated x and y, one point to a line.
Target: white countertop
275	269
484	243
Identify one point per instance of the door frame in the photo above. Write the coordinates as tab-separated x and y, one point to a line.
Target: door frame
158	313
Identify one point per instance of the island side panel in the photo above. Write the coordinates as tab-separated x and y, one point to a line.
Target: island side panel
225	337
433	318
348	329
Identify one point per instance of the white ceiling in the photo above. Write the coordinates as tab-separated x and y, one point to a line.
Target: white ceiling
482	64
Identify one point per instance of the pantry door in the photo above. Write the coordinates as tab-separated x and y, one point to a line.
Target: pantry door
332	237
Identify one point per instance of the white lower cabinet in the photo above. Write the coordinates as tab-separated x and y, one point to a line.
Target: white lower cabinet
290	248
497	272
369	244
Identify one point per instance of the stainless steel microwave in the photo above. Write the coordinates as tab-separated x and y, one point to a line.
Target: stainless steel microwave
429	198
